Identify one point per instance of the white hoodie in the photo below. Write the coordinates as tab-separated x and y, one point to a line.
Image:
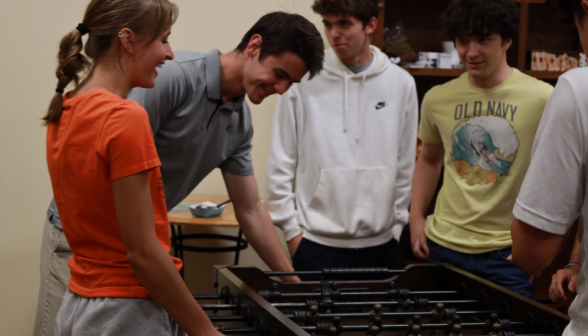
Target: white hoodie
342	154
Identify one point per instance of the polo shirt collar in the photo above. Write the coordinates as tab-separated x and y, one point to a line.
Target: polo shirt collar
213	84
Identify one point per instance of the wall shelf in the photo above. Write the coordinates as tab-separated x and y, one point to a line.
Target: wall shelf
539	29
544	74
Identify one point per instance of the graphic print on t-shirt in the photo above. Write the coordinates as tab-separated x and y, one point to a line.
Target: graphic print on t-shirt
484	149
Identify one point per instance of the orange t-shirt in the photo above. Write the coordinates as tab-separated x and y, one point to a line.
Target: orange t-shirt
99	138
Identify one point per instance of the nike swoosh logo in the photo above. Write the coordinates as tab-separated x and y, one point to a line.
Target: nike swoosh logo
381	105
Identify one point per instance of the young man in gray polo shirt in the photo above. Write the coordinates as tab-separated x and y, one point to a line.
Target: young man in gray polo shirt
200	122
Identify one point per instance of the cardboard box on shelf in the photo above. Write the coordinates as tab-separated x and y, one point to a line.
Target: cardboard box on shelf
540	60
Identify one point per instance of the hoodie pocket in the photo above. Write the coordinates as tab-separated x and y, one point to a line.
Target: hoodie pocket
352	202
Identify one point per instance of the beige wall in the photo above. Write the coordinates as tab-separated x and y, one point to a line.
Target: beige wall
31	30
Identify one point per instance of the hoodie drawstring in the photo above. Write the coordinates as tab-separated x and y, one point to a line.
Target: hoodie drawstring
334	67
345	104
360	108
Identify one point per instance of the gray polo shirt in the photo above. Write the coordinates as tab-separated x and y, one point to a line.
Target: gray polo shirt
194	131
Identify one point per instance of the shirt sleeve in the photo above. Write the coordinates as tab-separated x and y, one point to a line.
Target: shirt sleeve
551	196
428	131
281	166
171	91
126	142
240	162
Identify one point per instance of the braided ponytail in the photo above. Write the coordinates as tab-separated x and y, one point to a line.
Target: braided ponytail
103	20
71	62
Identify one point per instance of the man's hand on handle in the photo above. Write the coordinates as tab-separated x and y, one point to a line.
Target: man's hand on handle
256	224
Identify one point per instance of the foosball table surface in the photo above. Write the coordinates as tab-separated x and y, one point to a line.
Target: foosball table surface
419	300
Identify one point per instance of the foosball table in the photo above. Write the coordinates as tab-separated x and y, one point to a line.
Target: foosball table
419	300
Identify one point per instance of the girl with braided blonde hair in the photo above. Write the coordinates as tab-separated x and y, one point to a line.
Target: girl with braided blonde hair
106	180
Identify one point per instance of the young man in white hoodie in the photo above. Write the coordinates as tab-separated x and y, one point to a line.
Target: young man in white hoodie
343	150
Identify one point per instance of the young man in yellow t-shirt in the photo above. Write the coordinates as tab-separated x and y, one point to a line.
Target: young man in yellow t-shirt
481	126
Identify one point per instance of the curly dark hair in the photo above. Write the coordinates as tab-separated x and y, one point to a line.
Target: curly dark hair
481	18
570	8
283	32
363	10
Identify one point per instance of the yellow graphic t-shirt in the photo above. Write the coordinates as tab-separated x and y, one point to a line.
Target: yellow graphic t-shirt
487	135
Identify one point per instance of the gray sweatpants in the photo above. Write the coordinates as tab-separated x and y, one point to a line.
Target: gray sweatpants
55	253
80	315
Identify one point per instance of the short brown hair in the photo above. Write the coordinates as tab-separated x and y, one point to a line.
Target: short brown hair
363	10
104	19
281	32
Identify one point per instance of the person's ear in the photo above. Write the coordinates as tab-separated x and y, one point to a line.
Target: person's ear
585	6
371	26
506	43
254	46
126	38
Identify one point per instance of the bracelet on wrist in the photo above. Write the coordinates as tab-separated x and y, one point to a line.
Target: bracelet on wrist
572	264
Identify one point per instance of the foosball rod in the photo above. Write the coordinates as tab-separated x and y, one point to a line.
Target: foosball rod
219	307
437	326
372	303
337	271
401	314
340	304
233	331
233	318
355	294
318	295
241	318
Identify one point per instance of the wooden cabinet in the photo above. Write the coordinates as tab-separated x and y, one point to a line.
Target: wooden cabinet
540	28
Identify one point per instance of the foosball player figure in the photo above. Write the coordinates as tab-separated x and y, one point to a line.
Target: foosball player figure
415	326
456	327
438	313
495	329
373	330
376	312
313	316
332	331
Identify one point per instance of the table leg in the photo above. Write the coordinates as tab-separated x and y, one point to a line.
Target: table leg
173	240
180	242
239	237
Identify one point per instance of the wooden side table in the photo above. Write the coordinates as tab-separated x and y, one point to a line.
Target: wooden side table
227	219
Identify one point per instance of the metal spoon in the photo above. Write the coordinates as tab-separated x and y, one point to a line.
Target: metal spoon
223	203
